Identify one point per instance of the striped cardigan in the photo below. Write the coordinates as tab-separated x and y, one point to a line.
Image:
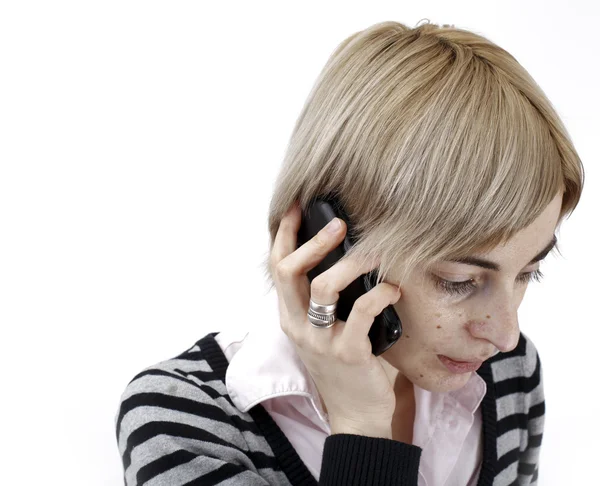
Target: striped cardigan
177	425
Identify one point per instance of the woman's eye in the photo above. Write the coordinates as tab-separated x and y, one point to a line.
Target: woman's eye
460	288
528	277
454	288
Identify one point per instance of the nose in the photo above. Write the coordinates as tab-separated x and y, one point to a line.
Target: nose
500	325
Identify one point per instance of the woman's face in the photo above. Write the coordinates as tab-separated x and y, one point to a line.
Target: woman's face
475	323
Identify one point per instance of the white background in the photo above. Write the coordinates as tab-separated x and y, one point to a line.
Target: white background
139	143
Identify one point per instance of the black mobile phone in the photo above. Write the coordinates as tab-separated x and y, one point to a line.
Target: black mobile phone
386	328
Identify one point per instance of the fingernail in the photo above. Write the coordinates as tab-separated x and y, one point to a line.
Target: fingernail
334	225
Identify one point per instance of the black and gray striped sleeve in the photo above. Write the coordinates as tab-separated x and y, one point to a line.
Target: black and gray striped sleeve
172	429
529	459
175	425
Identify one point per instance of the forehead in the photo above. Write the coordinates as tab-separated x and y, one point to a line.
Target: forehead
528	242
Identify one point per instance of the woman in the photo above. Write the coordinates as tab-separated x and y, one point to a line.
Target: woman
456	172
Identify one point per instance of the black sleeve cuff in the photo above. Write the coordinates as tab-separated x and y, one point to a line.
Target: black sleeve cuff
358	460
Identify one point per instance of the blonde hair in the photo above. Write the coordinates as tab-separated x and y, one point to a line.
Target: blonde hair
436	142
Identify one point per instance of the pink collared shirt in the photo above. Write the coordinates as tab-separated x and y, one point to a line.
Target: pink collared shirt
265	368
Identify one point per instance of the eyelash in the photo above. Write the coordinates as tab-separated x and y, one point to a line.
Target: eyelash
467	286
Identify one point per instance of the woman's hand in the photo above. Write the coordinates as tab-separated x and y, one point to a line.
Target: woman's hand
352	382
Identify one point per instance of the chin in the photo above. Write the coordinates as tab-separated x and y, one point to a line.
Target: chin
441	381
452	382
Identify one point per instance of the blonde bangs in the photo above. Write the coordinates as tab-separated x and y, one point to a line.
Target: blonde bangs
437	143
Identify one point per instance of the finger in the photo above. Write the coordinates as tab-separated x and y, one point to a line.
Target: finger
325	288
286	236
284	244
291	271
368	306
307	256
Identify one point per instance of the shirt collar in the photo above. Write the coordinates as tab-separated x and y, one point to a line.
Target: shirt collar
267	366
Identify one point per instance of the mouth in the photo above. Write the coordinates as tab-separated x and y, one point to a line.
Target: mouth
459	366
470	361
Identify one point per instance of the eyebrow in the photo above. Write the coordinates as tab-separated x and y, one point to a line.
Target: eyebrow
481	262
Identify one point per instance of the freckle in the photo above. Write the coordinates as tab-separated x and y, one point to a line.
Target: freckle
487	316
439	327
421	376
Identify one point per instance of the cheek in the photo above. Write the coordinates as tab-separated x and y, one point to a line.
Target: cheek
424	312
428	325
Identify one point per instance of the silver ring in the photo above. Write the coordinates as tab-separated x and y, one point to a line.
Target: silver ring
322	316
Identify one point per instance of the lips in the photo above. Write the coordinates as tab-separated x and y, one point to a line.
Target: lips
469	361
459	367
